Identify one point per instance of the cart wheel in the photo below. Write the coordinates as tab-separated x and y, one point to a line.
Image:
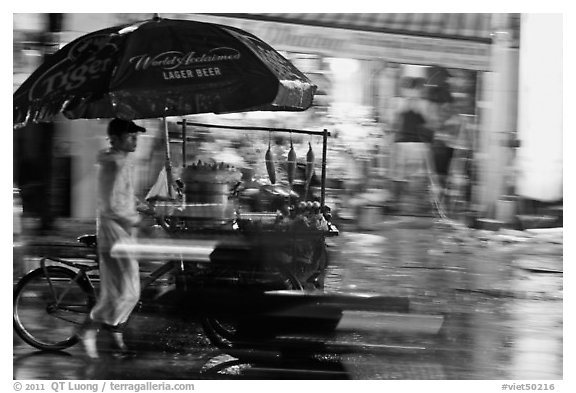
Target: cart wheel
322	262
233	333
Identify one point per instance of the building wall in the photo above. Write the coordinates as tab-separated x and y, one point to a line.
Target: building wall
498	125
540	158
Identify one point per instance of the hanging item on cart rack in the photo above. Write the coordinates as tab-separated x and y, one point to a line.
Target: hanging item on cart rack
291	164
309	163
309	168
270	168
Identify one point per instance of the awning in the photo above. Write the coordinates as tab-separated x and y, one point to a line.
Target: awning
463	26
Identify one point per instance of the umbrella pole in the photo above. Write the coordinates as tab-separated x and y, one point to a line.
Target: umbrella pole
324	146
168	162
184	143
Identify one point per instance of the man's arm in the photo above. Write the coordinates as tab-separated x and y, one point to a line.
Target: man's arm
117	196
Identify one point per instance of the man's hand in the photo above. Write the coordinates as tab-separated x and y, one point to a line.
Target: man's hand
145	208
147	220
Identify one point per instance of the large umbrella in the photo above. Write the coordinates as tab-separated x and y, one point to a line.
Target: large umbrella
159	68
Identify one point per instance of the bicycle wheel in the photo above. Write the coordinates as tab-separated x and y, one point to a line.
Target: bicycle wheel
48	306
229	333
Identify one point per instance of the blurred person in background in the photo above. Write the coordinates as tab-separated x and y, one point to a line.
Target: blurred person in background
446	127
411	152
443	118
117	221
453	155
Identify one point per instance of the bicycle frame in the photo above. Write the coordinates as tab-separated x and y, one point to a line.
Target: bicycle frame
83	269
81	275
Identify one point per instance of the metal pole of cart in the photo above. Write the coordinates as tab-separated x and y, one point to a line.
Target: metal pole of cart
253	128
183	143
324	147
168	163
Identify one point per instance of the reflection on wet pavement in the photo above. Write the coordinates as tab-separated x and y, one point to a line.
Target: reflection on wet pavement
500	303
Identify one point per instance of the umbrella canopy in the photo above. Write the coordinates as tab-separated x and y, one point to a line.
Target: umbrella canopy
158	68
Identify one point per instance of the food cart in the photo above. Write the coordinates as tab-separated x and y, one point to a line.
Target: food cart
206	206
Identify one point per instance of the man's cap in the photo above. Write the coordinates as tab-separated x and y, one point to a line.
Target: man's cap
121	126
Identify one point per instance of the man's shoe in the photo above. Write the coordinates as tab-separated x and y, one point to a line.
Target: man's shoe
88	338
115	332
119	341
122	351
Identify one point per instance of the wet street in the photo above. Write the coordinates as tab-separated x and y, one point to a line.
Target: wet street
483	306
